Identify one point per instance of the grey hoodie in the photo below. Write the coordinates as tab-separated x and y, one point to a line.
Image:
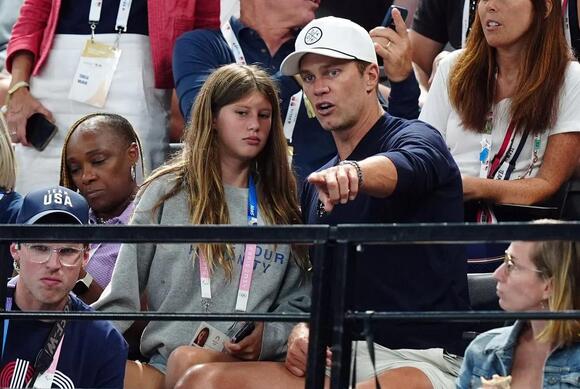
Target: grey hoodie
169	274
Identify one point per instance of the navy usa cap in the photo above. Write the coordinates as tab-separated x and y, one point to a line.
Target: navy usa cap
69	206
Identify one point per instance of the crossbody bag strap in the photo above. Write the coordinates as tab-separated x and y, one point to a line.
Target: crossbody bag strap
46	354
368	333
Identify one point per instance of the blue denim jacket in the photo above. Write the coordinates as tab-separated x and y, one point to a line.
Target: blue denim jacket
492	353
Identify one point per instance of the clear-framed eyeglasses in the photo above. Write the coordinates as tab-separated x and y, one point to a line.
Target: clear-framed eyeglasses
40	253
511	265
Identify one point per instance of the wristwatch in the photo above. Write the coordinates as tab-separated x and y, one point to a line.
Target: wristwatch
82	285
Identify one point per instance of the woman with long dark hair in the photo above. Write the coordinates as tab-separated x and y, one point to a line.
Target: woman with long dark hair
507	104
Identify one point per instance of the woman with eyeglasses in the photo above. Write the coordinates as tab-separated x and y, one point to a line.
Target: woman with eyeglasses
535	276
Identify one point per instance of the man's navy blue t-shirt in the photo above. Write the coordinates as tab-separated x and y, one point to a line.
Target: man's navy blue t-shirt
406	277
93	353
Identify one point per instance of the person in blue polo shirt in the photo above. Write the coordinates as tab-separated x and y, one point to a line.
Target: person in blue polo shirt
387	170
58	354
264	35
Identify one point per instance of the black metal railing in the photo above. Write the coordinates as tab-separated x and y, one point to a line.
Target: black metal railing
329	310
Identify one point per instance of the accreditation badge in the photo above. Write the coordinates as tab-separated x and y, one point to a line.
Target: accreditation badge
209	337
94	74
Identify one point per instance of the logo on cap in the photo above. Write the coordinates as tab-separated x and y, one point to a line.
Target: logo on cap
58	197
313	35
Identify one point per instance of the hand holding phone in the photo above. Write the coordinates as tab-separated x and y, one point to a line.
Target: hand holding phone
39	131
244	331
245	340
393	45
388	21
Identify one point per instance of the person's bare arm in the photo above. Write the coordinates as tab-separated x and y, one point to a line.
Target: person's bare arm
560	161
424	51
22	104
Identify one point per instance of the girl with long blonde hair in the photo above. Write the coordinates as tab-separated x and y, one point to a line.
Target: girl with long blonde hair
233	169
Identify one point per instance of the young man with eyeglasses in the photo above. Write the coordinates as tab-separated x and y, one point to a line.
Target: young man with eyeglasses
63	354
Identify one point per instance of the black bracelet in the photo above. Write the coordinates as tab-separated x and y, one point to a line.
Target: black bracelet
358	170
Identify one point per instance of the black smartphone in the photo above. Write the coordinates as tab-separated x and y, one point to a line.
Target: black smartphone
39	131
388	20
244	331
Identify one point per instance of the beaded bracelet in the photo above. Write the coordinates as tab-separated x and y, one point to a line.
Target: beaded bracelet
358	170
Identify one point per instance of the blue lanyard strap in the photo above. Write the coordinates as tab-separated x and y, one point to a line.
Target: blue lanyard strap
252	202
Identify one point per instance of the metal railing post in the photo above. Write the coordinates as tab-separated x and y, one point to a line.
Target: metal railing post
341	330
319	317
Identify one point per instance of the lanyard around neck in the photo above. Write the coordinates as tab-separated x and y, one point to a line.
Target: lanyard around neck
122	14
249	257
295	99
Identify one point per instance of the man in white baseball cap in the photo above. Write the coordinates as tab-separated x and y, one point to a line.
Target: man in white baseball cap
331	37
387	170
264	34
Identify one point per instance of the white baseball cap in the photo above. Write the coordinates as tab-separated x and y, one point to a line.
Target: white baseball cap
332	37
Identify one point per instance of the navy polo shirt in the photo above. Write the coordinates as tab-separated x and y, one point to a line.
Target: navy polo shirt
74	17
198	53
406	277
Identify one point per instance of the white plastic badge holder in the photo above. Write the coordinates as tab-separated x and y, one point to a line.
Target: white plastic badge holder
94	74
209	337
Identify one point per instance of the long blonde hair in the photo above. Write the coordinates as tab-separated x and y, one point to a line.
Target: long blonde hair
7	160
560	261
197	168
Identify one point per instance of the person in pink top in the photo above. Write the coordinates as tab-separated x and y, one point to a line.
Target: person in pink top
55	47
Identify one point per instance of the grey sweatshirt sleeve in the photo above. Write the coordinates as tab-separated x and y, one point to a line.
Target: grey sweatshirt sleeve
294	297
131	271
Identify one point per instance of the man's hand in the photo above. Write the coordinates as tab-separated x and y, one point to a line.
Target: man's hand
297	354
338	184
22	105
395	48
250	347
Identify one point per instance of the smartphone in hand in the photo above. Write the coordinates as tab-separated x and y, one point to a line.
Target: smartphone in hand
245	330
388	21
39	131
